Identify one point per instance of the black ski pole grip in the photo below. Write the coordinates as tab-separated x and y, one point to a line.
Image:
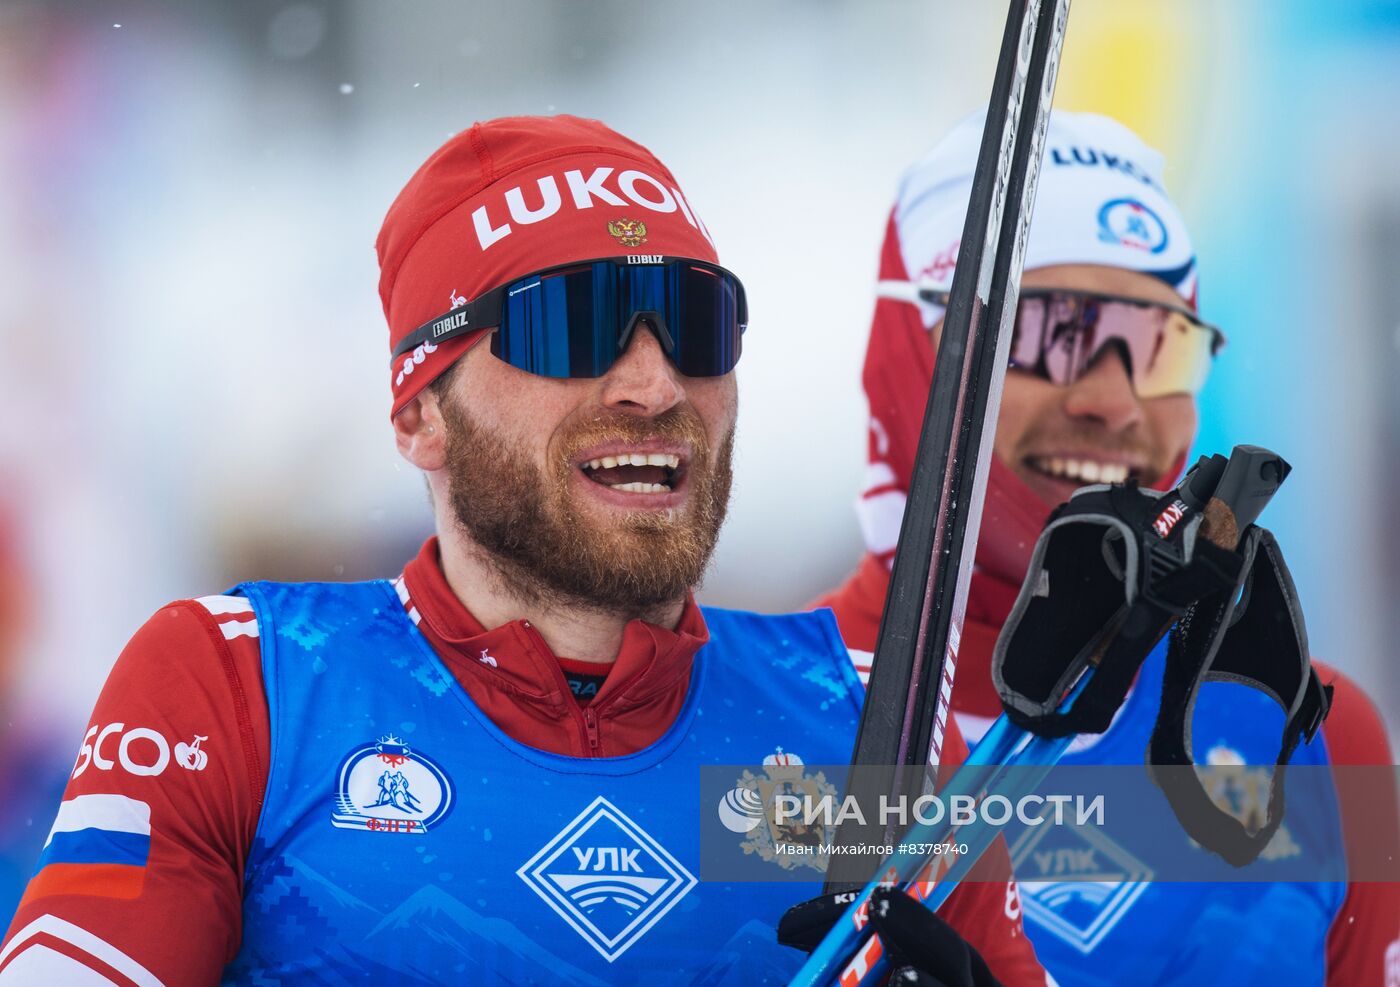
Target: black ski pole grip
1251	478
1202	479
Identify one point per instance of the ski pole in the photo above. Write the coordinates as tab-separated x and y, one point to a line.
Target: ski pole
1040	756
906	707
852	956
857	953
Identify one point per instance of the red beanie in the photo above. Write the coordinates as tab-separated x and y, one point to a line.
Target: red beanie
509	197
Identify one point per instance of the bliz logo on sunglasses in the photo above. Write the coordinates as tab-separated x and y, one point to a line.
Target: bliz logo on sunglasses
445	325
638	187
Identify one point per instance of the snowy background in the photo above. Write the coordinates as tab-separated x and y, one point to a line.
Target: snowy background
192	354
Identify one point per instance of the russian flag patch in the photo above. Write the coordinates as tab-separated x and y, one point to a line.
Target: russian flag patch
98	846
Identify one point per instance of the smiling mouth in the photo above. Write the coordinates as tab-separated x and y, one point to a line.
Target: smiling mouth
636	472
1082	470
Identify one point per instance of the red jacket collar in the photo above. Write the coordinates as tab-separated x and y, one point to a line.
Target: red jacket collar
647	681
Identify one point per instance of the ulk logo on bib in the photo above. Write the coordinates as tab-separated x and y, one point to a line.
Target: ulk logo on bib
606	877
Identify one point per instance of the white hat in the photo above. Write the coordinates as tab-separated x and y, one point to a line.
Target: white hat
1100	200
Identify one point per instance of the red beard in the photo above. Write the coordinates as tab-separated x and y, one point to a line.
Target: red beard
549	550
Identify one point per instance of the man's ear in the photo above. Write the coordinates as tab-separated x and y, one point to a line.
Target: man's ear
420	434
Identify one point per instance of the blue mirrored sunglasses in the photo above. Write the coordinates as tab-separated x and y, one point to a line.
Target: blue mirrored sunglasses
576	320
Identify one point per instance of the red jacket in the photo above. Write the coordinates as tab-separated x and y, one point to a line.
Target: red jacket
194	670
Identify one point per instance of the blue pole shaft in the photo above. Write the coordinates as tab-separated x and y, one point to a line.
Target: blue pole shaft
1003	746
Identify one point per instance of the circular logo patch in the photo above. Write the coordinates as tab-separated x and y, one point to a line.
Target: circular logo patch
388	787
1129	223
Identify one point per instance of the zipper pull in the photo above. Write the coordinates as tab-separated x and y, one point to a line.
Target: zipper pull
590	722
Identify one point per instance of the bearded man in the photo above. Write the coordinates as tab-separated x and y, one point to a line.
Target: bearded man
1107	357
484	770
